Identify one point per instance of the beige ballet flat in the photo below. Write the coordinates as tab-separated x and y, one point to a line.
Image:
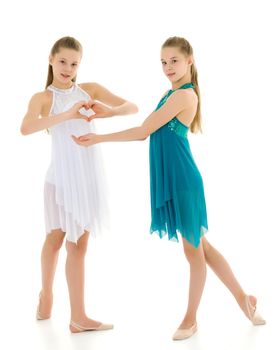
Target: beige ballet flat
77	328
181	334
39	316
255	317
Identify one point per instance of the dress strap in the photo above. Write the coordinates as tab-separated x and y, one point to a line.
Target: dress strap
185	86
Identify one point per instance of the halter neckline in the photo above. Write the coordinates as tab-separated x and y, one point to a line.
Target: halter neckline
186	85
62	91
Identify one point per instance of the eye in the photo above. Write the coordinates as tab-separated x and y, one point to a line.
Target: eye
174	61
163	63
62	61
74	64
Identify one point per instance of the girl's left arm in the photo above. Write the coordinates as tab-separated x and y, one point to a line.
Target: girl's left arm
179	101
111	105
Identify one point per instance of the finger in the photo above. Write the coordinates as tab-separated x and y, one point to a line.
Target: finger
85	143
81	104
96	107
91	103
82	143
75	139
87	105
84	138
87	135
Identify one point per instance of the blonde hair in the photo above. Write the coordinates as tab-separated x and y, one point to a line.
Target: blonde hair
66	42
184	46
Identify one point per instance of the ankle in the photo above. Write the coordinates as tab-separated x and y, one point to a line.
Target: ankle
240	298
79	318
188	321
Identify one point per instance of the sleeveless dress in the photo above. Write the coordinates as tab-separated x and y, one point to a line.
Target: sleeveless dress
177	194
75	188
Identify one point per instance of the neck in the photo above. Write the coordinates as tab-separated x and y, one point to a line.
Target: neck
60	85
184	80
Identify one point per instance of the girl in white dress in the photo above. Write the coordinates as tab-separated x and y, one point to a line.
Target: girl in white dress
75	197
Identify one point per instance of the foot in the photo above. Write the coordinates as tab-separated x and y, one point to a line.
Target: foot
249	307
87	324
44	307
186	332
187	323
252	305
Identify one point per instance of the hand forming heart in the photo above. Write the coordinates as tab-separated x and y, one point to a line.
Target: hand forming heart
87	110
91	109
99	110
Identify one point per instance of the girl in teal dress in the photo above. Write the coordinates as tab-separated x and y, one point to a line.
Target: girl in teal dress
177	194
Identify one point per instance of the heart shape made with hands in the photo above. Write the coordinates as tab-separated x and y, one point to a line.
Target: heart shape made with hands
87	110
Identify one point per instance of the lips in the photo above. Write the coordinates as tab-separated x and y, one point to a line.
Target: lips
170	75
65	75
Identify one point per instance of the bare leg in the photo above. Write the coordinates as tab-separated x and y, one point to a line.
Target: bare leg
195	257
49	257
75	279
222	269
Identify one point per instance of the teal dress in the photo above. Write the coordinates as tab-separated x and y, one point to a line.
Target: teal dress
177	194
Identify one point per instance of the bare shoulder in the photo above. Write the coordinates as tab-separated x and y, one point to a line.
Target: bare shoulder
41	97
41	102
186	96
90	88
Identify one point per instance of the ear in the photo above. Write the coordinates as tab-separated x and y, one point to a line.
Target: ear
190	60
50	60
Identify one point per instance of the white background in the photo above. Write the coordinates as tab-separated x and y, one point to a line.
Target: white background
135	280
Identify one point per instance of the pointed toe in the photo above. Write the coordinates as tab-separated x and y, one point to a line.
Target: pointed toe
255	317
184	333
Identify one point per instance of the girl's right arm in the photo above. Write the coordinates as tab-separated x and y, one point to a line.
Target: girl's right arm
37	119
181	102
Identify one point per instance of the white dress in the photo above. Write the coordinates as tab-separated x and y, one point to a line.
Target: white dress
75	190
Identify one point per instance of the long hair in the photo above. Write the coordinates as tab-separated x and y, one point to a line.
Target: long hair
185	47
66	42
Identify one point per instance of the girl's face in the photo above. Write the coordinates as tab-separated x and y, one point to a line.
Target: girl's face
175	65
65	65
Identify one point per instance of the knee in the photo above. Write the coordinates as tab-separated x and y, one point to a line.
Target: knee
206	247
194	255
54	241
78	249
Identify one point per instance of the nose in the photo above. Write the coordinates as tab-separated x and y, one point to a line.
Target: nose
68	68
168	66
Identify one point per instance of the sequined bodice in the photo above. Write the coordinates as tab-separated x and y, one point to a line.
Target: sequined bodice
179	128
175	124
